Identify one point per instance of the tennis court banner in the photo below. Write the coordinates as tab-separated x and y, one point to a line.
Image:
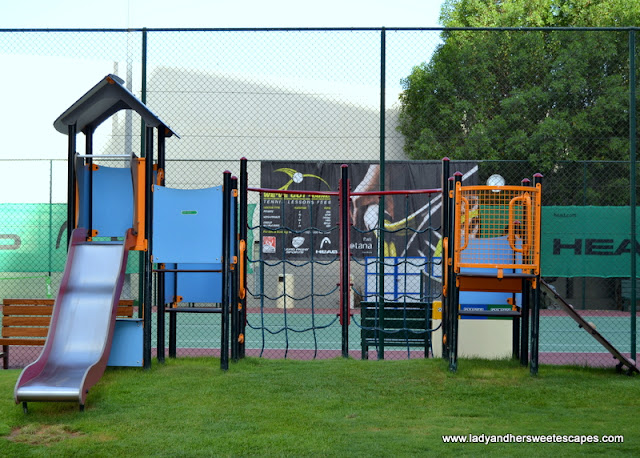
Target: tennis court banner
33	238
299	226
587	242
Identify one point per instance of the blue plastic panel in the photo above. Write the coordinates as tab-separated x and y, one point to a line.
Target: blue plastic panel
483	300
483	297
192	286
493	250
402	278
126	348
112	201
187	225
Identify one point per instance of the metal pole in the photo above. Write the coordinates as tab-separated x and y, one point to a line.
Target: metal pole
148	264
451	291
226	253
160	285
584	203
446	301
88	150
452	338
535	310
243	222
381	210
345	258
233	292
143	97
142	255
632	164
525	308
71	181
173	326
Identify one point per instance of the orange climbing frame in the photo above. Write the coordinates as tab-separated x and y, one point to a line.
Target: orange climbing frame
497	227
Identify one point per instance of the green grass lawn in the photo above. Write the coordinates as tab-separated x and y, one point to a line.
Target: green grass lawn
188	407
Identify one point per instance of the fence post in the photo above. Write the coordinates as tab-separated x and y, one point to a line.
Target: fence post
383	90
381	209
345	258
632	166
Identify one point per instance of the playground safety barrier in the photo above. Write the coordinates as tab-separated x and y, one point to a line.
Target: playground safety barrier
296	227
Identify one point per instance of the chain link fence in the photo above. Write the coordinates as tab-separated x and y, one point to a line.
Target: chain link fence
512	102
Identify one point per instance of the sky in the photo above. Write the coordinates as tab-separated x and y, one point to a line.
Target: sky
217	13
75	77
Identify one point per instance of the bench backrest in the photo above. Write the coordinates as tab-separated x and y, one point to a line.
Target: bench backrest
397	316
26	321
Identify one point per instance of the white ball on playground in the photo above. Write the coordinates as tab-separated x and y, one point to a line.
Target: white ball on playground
495	180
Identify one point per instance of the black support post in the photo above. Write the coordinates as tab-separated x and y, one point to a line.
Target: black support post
173	324
535	311
524	322
447	331
226	270
148	264
233	292
243	233
455	293
446	229
345	259
71	181
88	141
160	277
526	298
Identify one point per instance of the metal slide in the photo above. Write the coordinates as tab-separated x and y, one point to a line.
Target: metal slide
623	360
77	348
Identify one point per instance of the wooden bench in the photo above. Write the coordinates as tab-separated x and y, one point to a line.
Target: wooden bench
26	322
404	326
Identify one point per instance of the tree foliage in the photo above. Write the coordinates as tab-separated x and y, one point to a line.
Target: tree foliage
540	96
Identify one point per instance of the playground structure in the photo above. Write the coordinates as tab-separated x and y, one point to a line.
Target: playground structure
189	240
492	245
112	211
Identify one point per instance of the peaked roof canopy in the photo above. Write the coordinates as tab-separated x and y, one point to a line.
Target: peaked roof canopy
101	102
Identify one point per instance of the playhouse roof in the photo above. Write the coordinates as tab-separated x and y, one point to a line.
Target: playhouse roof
101	102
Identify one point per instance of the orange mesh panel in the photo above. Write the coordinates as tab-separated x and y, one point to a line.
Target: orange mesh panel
497	227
